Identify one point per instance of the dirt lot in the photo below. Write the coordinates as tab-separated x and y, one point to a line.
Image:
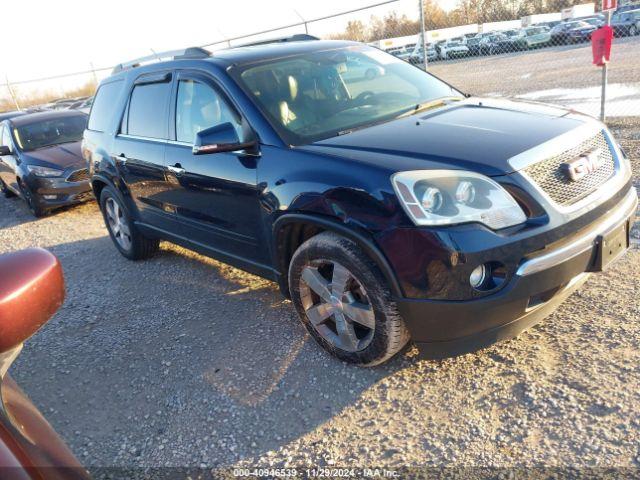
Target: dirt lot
183	361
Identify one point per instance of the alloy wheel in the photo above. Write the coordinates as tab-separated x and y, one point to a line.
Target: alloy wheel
337	305
118	223
28	197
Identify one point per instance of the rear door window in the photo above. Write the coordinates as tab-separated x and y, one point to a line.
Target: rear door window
148	113
103	106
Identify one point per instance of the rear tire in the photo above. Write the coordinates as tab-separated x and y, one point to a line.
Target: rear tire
125	236
354	316
5	190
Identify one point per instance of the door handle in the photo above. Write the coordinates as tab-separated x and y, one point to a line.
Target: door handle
177	169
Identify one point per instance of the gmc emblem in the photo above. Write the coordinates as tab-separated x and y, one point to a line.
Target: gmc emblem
582	166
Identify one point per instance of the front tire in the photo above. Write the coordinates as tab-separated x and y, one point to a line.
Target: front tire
31	199
343	300
126	237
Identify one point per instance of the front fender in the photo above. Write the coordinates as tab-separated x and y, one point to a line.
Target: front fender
359	236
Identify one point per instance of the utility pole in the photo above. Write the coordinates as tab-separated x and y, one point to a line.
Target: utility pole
424	36
13	95
93	73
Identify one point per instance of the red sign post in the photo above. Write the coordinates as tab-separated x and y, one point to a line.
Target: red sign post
601	41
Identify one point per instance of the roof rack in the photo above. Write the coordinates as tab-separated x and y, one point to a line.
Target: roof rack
298	37
191	52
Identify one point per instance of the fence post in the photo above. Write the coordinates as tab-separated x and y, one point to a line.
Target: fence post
93	72
306	26
423	34
13	95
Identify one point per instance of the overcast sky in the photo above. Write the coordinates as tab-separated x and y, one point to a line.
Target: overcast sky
43	38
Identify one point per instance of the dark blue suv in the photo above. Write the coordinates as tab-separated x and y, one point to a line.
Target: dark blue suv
387	207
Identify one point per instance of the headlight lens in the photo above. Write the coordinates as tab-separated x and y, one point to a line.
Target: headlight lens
449	197
39	171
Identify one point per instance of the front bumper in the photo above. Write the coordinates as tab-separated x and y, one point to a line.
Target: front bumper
54	192
444	328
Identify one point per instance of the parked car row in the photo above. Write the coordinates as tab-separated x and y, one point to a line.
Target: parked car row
82	104
536	36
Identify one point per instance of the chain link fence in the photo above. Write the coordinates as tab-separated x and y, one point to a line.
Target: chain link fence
534	50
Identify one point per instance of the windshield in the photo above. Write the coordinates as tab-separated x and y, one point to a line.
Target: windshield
47	133
317	95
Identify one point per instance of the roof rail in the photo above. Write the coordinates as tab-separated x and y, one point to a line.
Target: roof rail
191	52
298	37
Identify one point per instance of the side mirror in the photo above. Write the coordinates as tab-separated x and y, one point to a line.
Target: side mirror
218	139
4	150
31	291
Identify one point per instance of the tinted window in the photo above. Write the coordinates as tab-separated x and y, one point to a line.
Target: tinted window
148	110
104	103
311	96
199	107
47	133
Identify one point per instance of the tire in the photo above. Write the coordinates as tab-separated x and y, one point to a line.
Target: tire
351	286
30	197
125	236
5	190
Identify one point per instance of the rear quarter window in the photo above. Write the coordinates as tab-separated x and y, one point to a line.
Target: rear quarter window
103	105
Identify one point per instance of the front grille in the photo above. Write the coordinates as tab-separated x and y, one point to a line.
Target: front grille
549	176
78	175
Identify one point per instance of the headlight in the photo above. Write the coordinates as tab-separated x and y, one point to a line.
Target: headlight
39	171
449	197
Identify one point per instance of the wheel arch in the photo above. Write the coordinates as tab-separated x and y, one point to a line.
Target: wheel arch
292	230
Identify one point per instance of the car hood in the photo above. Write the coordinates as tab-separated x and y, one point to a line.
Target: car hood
475	134
58	156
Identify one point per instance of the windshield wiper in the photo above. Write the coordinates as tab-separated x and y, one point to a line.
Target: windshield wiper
421	107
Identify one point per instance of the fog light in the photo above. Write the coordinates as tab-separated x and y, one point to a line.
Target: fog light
478	276
50	197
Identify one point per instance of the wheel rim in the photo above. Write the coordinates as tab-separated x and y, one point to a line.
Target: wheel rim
28	197
337	305
118	224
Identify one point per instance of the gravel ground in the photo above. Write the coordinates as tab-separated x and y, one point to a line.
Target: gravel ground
184	361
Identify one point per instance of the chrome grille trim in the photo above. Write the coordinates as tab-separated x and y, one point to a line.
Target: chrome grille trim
558	145
548	175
